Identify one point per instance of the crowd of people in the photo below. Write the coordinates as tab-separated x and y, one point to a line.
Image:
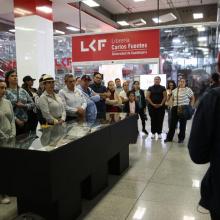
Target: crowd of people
22	108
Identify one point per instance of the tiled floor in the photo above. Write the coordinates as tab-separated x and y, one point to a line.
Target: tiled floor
161	184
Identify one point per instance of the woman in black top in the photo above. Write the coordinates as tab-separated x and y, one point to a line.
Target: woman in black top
156	97
141	100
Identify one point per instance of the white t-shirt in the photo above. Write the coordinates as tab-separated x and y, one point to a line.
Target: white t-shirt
184	96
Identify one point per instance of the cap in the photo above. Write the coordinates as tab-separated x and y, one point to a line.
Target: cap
28	78
47	78
86	77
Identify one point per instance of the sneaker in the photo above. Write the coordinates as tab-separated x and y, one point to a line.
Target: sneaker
5	199
153	136
159	136
145	131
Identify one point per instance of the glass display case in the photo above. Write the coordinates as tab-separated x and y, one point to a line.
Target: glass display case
53	137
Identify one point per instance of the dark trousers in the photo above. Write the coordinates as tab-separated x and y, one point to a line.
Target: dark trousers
214	216
143	118
157	116
32	121
173	123
21	130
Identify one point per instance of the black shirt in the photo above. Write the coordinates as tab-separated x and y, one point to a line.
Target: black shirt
156	93
101	106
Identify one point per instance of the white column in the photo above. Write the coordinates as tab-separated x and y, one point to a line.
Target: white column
34	47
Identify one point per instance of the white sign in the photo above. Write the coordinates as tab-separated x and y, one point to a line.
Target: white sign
148	80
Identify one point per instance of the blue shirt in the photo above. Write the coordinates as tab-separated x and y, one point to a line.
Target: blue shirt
15	95
91	110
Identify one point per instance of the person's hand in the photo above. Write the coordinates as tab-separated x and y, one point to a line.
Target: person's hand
80	111
60	122
108	94
154	105
19	122
20	105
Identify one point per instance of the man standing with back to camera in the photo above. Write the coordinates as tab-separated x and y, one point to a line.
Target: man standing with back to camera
204	147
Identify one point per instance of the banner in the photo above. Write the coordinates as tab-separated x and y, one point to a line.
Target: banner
116	46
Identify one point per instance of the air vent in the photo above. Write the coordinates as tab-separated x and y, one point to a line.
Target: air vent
137	22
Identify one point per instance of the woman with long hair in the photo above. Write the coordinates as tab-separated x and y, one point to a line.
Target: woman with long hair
141	100
20	100
171	85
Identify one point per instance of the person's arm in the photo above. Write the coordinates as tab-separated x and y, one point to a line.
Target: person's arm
143	98
149	99
30	104
203	129
126	107
94	96
13	129
164	98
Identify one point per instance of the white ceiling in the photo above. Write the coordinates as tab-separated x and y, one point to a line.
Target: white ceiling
148	5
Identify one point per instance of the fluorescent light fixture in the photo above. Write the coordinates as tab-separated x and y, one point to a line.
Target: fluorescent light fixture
45	9
21	11
202	39
139	213
58	32
200	28
167	31
186	217
72	28
91	3
123	23
197	15
12	30
156	20
176	40
139	0
196	183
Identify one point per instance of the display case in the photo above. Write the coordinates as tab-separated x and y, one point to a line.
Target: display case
51	170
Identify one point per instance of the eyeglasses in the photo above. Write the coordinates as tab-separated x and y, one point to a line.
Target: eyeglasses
98	77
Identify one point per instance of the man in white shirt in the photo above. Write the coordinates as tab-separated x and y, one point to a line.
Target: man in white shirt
123	93
74	102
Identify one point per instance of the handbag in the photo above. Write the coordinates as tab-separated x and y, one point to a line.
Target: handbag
184	111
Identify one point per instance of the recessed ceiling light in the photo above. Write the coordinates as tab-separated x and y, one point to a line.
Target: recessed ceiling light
139	0
197	15
137	22
22	11
12	30
91	3
59	32
45	9
167	31
156	20
123	23
72	28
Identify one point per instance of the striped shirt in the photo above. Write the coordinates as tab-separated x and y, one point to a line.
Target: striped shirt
184	96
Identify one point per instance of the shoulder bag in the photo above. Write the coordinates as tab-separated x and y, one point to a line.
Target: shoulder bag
184	111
